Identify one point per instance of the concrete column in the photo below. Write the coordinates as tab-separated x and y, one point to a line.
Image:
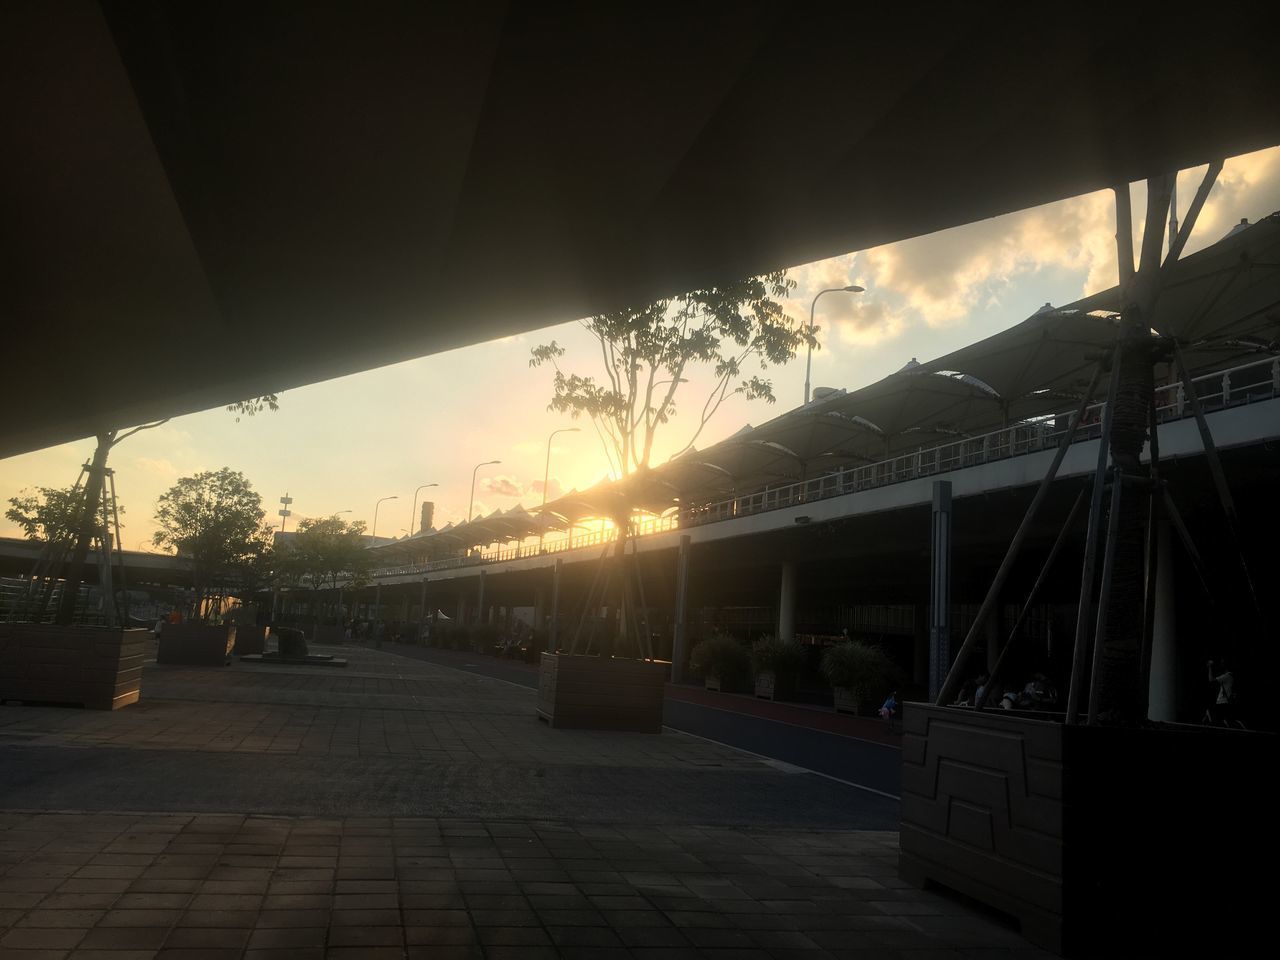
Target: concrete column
940	589
480	618
462	608
1163	687
920	652
787	603
423	616
539	608
680	629
553	635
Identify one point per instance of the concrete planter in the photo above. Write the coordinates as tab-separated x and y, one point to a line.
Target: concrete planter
196	644
601	693
845	702
1101	841
250	639
95	667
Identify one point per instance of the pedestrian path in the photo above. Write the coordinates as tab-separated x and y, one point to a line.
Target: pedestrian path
411	810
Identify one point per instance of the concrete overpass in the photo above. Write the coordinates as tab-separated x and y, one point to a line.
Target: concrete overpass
820	558
18	556
345	186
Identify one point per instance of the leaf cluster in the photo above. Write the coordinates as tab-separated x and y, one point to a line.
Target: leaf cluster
864	670
646	352
215	518
48	513
325	552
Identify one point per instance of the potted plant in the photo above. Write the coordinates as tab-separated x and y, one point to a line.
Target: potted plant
858	674
777	664
721	661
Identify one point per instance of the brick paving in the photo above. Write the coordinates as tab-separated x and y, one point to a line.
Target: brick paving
429	815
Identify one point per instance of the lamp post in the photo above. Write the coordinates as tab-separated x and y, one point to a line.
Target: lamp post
377	595
472	502
546	474
414	511
808	363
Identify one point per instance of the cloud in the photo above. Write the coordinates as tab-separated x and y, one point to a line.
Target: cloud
507	486
157	467
946	276
859	319
554	488
503	486
1248	187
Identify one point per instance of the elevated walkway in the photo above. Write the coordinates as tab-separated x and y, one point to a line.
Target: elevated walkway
1242	407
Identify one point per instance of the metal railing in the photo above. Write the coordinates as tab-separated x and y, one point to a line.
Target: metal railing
1246	383
1259	380
595	538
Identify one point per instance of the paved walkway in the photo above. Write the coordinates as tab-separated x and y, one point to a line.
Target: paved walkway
855	750
404	809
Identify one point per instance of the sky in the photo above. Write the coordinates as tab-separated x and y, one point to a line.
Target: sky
343	444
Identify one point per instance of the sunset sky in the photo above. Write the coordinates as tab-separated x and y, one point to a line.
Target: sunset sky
343	444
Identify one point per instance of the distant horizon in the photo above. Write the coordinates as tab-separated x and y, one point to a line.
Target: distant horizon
343	444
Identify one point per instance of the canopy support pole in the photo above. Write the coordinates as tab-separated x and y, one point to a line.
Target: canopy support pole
949	688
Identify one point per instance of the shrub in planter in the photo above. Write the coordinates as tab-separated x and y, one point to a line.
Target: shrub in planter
861	672
777	664
721	661
484	636
459	638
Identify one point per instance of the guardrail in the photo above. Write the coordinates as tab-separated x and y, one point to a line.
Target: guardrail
1239	385
1246	383
479	557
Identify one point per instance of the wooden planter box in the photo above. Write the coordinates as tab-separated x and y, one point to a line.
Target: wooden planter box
601	693
1101	841
196	644
845	703
95	667
771	688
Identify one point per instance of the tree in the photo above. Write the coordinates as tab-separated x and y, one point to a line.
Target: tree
90	501
646	352
255	405
327	552
216	519
48	513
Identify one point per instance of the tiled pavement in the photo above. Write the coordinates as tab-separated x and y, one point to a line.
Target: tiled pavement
431	816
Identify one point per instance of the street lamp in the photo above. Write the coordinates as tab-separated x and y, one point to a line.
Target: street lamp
374	535
377	599
808	363
546	473
472	502
414	512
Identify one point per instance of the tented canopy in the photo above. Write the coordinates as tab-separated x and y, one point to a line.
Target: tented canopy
1223	304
